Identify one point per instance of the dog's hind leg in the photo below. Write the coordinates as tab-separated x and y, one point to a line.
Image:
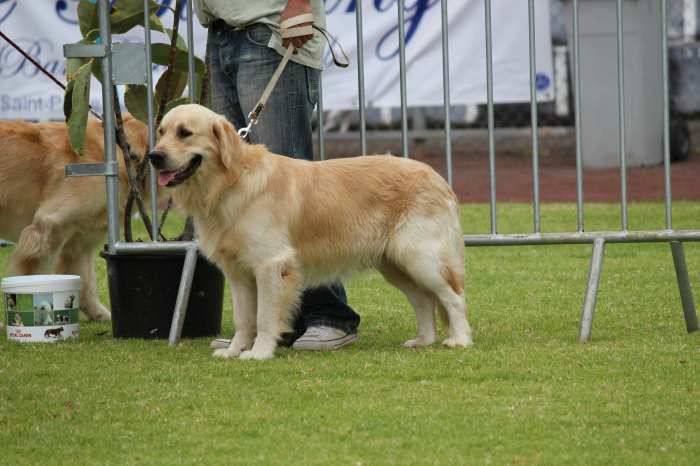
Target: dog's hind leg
435	262
77	258
450	293
279	284
244	298
423	304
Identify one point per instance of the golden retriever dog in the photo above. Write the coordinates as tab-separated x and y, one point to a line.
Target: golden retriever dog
276	225
57	222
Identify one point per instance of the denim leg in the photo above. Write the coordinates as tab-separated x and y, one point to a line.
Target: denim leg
221	50
242	65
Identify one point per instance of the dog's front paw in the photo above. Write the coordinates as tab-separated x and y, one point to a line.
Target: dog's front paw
98	313
258	355
418	342
225	353
454	342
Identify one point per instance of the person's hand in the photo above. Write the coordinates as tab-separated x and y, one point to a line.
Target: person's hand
296	8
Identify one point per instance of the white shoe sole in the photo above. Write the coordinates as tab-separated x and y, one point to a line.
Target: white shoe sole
324	345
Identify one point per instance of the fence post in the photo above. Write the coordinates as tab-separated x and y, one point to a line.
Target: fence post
183	295
446	92
592	290
109	125
361	77
533	118
489	99
691	318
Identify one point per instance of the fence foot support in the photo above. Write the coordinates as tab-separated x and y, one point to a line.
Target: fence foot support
183	296
691	318
591	290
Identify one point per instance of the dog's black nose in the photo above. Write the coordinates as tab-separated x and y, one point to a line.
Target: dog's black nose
157	159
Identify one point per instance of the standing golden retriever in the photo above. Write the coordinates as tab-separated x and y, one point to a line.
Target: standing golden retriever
276	225
57	222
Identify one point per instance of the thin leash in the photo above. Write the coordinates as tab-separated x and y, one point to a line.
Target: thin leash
40	67
288	31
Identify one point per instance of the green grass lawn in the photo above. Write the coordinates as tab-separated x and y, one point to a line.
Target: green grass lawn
525	393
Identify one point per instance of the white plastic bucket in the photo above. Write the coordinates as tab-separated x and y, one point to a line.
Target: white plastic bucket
41	308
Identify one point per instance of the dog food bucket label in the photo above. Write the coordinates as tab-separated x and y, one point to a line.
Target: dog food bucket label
41	308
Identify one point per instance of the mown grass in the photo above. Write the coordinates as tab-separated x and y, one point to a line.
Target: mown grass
526	393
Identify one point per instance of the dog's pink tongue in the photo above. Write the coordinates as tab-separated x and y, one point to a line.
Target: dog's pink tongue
165	177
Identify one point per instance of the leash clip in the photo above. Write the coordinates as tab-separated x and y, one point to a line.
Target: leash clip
244	132
253	116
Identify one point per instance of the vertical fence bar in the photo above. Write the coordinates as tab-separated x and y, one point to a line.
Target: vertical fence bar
190	53
402	79
361	76
153	181
319	113
489	101
446	91
108	124
621	116
577	113
533	117
667	116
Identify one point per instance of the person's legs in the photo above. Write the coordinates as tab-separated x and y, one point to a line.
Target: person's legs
242	65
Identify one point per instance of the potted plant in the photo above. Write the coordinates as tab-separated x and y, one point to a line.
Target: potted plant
143	287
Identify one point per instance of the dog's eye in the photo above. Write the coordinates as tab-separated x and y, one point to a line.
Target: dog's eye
183	133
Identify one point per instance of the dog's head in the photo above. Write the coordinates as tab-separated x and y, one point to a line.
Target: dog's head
44	306
193	142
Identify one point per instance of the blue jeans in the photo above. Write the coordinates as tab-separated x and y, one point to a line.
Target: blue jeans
241	65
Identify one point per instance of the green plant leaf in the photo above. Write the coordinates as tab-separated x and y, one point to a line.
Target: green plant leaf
129	6
68	99
134	6
161	52
97	70
88	18
72	65
122	21
178	82
135	98
175	102
180	42
127	14
79	96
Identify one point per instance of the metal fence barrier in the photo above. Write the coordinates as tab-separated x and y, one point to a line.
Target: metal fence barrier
598	239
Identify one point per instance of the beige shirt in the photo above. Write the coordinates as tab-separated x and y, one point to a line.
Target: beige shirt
242	13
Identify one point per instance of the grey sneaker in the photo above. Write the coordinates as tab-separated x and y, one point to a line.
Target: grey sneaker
322	338
220	343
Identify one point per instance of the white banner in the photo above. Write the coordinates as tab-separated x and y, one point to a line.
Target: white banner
41	27
423	33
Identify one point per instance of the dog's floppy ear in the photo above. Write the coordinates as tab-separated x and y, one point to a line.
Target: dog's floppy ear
227	140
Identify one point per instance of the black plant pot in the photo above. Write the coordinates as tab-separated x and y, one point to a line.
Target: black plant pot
143	290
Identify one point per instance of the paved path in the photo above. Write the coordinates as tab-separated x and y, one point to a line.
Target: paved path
558	180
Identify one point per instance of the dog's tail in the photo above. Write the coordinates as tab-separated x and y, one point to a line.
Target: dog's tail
34	244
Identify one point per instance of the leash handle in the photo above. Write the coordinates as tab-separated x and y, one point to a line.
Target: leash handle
287	30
